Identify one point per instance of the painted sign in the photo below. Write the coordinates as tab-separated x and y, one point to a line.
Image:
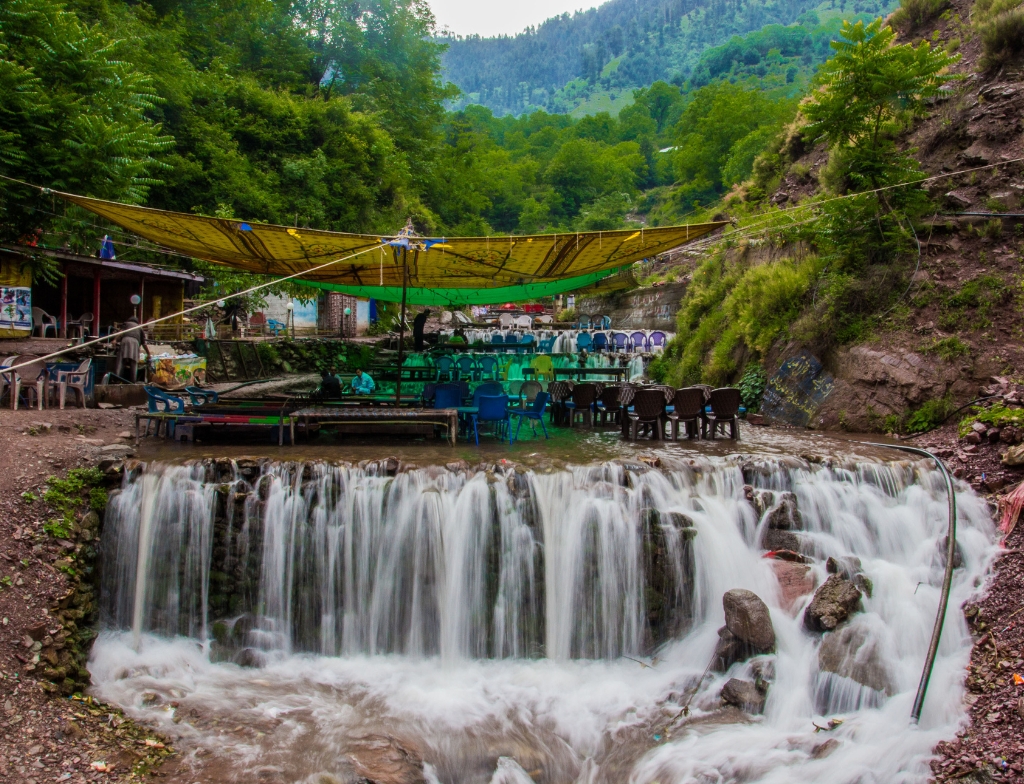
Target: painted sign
795	393
15	308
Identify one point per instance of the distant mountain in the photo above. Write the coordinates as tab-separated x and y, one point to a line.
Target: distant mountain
621	45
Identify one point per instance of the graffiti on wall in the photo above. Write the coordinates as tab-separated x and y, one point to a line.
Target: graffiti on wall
795	393
650	308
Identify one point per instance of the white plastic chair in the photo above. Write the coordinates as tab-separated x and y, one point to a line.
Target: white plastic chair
43	321
76	380
505	320
524	322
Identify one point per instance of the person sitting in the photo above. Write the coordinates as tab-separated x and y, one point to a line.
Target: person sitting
330	387
362	384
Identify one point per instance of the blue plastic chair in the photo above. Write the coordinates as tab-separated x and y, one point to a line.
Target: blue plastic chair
488	368
512	340
447	396
491	388
444	368
583	341
657	340
546	346
161	402
583	322
498	340
533	413
600	341
276	327
494	409
639	341
620	339
427	395
466	366
200	396
526	345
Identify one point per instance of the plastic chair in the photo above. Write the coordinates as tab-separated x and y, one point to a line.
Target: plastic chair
276	327
584	396
498	340
494	409
639	341
466	366
528	391
200	396
514	388
725	408
43	321
160	401
558	393
444	368
584	341
488	367
648	410
82	326
546	346
491	388
608	405
33	379
76	380
600	341
447	396
543	367
535	413
427	395
524	322
602	322
526	345
687	409
583	322
620	340
545	319
505	320
657	340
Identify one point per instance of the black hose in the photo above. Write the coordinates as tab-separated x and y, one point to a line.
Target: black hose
947	580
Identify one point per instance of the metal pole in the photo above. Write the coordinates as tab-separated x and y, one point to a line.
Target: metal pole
401	327
947	580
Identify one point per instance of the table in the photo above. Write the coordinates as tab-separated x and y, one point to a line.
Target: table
447	418
618	372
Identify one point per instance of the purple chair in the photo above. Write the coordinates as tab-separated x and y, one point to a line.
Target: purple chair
619	340
600	341
639	341
657	340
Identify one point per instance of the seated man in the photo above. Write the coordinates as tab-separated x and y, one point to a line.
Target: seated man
330	387
362	384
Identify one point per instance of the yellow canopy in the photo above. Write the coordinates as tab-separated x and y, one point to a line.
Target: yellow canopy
449	263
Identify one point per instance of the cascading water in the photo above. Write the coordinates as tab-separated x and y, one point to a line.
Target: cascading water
499	623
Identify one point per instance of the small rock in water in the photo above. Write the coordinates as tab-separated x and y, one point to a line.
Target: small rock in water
822	750
744	695
851	652
248	657
835	601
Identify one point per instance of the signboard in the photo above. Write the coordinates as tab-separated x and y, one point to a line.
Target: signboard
795	393
15	309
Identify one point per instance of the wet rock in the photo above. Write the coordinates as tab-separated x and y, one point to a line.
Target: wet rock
846	566
785	516
796	580
851	652
758	499
744	695
384	760
748	619
835	601
774	540
248	657
763	670
822	750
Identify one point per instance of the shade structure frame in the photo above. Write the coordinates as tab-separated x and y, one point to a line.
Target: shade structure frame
441	270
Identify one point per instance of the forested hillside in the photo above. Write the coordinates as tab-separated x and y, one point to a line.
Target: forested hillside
624	44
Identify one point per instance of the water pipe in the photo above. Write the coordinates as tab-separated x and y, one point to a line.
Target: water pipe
947	580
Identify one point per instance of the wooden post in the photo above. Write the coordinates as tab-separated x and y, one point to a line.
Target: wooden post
401	327
63	302
96	302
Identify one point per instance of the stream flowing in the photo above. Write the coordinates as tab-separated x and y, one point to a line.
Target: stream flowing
313	622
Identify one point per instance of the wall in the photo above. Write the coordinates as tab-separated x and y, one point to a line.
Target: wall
305	314
646	308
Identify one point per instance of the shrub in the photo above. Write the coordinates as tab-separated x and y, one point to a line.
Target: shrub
929	416
1002	32
948	348
913	13
996	415
752	386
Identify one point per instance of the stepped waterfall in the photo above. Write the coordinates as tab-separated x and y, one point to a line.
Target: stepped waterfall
553	624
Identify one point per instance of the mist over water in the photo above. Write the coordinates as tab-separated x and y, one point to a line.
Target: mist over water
515	625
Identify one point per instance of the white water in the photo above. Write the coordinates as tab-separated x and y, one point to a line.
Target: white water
408	608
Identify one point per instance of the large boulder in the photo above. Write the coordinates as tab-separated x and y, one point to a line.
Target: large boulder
744	695
785	516
747	617
774	540
850	651
835	601
796	580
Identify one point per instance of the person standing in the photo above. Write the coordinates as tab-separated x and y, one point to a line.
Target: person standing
417	329
128	350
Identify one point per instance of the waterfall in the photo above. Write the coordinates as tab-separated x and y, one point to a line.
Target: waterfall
508	621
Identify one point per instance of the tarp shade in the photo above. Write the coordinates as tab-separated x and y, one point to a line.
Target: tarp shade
457	263
460	297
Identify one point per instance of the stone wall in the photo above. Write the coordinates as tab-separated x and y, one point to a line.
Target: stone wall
652	307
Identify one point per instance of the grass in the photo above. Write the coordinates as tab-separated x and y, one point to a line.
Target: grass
913	13
972	305
996	415
67	496
1001	24
948	348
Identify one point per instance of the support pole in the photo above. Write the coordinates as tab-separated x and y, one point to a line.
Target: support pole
97	276
63	331
401	327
